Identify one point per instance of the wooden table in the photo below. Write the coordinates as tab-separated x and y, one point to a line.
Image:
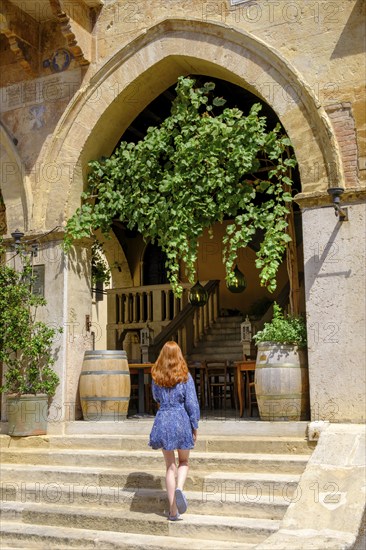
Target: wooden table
240	367
142	369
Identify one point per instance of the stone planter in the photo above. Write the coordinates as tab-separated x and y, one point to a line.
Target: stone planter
281	382
27	414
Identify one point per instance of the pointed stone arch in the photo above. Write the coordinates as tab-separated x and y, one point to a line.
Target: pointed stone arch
15	188
124	84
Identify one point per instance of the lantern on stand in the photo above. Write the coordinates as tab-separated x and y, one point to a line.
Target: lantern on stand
145	340
246	337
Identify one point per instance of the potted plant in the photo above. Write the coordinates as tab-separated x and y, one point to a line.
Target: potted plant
26	351
281	373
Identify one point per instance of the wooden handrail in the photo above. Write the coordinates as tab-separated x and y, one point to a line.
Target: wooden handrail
184	319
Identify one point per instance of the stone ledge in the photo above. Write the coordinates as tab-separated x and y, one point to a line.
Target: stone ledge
317	198
331	505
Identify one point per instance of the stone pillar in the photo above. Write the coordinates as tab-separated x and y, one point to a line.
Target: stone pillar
335	283
69	302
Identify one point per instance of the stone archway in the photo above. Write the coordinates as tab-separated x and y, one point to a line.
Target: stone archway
117	90
15	187
134	76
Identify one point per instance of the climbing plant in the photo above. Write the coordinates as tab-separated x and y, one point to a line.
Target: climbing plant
100	270
205	162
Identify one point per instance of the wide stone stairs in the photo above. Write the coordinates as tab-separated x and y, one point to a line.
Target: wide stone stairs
107	491
221	343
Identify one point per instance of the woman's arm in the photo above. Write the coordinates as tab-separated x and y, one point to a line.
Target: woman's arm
191	403
155	392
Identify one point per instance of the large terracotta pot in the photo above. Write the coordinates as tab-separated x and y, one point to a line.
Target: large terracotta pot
105	385
27	414
281	382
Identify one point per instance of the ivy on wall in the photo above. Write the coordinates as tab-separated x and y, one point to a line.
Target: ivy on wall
203	163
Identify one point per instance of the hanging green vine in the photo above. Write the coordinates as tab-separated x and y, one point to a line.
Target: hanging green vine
193	170
100	270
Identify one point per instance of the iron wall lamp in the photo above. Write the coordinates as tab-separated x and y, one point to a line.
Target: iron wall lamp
335	193
17	236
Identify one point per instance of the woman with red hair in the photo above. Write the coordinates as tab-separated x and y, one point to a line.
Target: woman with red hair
176	422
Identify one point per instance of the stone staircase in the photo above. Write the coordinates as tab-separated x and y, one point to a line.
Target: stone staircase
221	343
88	490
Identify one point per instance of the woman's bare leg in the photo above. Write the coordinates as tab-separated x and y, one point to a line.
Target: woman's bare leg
183	457
171	472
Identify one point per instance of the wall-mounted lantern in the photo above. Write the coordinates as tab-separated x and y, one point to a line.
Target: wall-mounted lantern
30	248
335	193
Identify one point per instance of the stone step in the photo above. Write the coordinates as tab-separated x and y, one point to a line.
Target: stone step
235	319
217	528
213	501
214	443
62	538
226	426
219	346
220	336
207	461
224	331
223	339
226	326
14	476
226	323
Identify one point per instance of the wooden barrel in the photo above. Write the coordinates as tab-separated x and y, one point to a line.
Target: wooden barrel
281	382
105	385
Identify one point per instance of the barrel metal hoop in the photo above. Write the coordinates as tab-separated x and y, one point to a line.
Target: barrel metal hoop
279	396
278	365
106	398
83	373
105	356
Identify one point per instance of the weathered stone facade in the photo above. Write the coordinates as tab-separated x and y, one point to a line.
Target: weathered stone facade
76	74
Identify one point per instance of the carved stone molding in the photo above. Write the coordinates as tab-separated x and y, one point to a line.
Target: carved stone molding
15	44
65	26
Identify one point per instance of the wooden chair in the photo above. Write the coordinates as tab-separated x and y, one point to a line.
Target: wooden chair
252	398
220	384
199	378
150	405
134	396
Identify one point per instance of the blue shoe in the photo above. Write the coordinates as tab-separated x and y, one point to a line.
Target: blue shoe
181	501
174	518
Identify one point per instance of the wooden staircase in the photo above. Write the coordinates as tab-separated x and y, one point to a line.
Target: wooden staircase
108	491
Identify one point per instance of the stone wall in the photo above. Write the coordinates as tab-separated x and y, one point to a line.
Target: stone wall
78	73
335	283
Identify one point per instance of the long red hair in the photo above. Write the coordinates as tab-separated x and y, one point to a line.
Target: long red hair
170	368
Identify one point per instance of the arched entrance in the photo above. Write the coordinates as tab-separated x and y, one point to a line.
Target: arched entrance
210	260
137	74
15	186
118	90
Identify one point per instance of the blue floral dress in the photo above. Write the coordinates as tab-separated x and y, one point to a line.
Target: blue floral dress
178	415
